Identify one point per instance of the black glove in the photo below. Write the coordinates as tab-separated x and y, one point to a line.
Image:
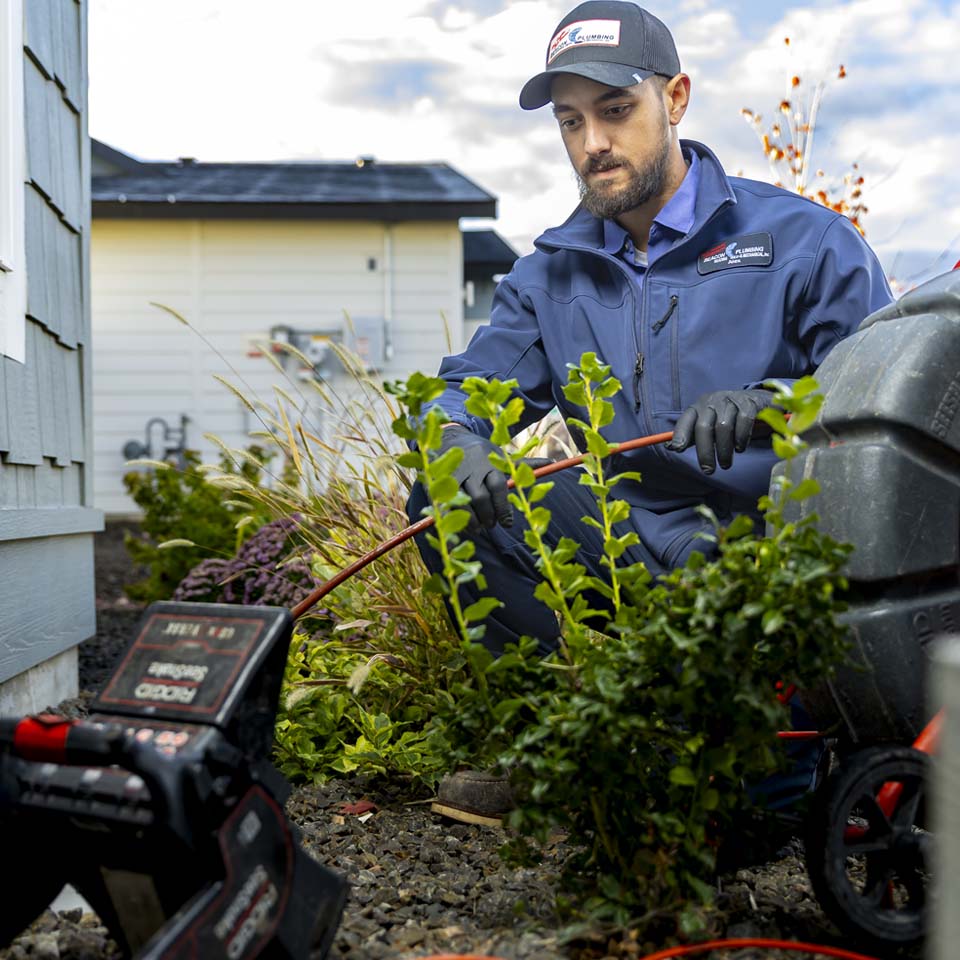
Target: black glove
721	421
483	483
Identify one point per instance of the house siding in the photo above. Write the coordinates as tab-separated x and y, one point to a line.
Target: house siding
46	512
233	281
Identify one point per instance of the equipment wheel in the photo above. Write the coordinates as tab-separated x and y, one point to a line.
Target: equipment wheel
870	870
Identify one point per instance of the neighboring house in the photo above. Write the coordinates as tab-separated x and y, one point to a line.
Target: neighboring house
243	249
486	257
46	516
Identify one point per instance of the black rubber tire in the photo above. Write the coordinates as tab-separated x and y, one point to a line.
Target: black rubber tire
892	853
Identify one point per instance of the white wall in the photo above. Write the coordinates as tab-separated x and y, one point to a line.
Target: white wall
234	280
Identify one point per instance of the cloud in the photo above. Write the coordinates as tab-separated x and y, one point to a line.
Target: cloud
439	80
894	114
390	82
455	15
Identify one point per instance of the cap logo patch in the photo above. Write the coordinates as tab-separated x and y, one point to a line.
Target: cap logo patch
752	250
584	33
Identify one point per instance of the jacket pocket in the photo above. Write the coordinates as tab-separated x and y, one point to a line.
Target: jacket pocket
666	330
666	419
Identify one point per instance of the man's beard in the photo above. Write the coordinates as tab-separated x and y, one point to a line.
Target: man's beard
606	202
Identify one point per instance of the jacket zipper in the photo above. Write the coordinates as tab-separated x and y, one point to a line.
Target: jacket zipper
662	322
637	374
637	328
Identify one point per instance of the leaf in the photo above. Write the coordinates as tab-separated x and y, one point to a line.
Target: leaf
482	608
525	477
741	526
804	387
626	475
612	547
575	394
455	522
783	448
444	464
443	490
682	776
467	548
804	419
804	489
772	621
596	444
505	709
537	493
343	764
775	418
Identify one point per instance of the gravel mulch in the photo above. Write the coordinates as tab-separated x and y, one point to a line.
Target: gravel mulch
421	885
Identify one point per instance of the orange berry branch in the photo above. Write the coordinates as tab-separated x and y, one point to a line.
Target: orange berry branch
788	146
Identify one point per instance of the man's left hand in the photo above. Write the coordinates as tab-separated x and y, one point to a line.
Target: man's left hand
719	424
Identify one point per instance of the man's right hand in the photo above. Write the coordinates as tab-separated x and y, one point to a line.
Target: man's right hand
482	482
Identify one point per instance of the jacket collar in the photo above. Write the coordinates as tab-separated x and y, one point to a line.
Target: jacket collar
583	229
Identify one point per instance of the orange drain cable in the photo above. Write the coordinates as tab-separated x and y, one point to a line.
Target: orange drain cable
304	605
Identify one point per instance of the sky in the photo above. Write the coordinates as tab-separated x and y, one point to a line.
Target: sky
428	80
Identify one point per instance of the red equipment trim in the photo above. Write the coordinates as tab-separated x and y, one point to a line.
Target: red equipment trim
42	738
889	795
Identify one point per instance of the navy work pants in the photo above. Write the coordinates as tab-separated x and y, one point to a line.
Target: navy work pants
510	565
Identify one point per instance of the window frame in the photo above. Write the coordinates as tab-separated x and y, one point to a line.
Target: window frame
13	246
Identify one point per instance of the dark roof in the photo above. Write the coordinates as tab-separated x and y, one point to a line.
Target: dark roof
363	189
486	248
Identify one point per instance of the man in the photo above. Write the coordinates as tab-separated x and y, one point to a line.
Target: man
694	286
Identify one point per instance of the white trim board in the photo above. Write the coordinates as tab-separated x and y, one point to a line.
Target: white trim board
13	247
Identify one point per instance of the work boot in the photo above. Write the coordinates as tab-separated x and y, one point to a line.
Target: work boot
474	796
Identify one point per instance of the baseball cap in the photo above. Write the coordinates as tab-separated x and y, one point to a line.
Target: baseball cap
615	42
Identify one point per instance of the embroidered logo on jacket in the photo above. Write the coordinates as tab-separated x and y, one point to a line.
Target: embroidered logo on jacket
584	33
752	250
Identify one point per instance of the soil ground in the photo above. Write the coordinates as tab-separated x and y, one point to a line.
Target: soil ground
421	885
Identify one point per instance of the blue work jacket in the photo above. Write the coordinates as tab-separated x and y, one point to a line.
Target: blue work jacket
763	286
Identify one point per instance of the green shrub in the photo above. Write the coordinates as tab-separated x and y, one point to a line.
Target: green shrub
637	742
182	506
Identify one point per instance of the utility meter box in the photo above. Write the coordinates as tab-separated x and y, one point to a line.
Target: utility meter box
885	450
366	337
315	345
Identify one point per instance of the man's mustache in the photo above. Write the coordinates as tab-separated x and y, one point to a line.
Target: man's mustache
599	165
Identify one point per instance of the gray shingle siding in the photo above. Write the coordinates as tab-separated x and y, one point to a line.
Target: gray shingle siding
54	295
53	144
46	549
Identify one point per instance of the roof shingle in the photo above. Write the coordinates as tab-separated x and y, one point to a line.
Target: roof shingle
436	187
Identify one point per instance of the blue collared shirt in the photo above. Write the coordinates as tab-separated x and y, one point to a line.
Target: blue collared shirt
671	224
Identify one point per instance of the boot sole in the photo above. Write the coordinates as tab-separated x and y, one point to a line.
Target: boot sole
465	816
